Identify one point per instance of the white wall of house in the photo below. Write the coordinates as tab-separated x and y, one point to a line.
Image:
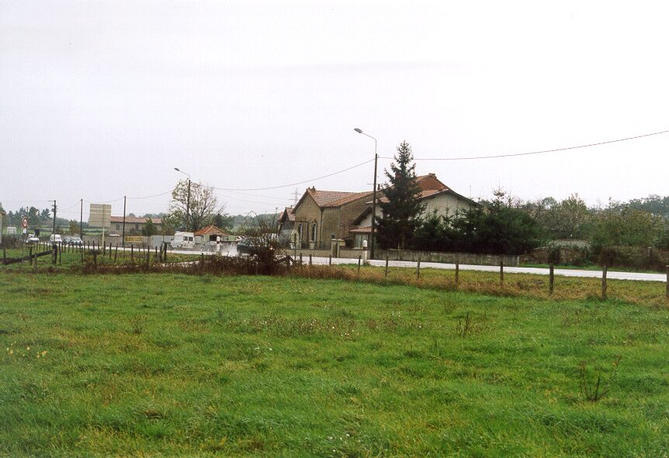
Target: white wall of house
445	204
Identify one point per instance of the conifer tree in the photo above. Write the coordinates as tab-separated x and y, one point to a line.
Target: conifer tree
401	210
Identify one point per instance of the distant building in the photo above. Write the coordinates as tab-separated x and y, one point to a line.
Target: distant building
214	239
133	224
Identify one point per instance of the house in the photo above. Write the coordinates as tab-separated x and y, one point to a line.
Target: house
322	216
214	239
286	225
133	224
436	196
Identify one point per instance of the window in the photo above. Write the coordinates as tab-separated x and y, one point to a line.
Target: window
313	232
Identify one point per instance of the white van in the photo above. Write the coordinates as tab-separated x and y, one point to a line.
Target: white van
183	240
56	238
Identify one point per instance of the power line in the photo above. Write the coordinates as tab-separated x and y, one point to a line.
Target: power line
554	150
151	196
267	188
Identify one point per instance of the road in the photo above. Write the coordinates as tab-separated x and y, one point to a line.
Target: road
613	275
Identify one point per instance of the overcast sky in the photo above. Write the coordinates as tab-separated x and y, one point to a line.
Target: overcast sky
103	99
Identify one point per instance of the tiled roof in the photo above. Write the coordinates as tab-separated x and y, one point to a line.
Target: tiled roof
210	230
290	214
135	219
335	198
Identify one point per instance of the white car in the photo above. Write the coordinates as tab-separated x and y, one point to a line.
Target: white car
56	238
32	239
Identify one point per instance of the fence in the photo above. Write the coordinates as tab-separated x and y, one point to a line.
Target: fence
93	256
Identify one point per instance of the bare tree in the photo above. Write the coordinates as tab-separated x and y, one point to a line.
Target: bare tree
193	211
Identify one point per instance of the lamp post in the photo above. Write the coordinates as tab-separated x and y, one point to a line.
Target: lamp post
376	159
187	198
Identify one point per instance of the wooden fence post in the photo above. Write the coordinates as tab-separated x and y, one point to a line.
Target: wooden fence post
132	252
551	278
300	259
115	253
310	261
418	269
330	260
386	273
604	271
359	260
667	267
501	272
60	255
457	274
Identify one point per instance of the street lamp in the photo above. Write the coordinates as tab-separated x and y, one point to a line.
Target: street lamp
187	198
376	159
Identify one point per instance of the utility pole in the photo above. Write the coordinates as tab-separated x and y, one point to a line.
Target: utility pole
81	219
188	207
123	232
376	160
53	231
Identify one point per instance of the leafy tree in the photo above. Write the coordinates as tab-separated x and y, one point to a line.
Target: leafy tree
74	227
400	213
202	207
149	228
224	222
626	226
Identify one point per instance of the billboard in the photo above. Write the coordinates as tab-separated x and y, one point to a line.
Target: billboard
100	216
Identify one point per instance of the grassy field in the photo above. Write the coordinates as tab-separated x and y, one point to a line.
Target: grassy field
180	364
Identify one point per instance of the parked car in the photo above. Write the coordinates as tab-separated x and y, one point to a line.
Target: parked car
55	238
73	240
32	239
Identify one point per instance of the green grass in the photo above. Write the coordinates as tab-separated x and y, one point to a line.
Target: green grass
177	364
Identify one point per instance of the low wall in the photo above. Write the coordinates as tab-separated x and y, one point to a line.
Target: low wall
138	241
343	253
451	258
424	256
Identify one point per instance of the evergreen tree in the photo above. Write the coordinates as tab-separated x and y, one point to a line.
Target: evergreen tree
149	228
400	214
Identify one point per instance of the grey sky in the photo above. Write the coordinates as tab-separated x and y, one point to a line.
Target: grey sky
103	99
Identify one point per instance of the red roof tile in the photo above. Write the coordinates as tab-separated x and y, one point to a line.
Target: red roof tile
335	198
210	230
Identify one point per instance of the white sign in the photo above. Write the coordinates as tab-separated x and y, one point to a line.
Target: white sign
100	216
11	230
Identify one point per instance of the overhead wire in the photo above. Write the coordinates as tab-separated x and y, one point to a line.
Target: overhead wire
267	188
529	153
